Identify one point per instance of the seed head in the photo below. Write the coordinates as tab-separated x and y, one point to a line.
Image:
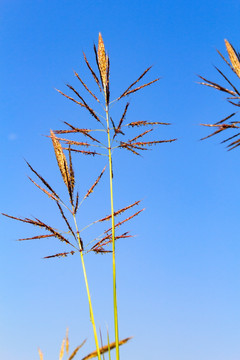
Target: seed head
102	60
61	159
233	58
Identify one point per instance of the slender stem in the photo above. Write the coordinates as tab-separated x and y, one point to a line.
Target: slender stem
109	352
113	237
87	288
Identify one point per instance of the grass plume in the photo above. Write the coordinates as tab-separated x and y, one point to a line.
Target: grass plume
233	98
112	142
102	139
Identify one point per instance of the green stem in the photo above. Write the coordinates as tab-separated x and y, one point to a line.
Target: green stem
113	237
87	288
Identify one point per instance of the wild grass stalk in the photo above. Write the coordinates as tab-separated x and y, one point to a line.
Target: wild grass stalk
114	139
113	131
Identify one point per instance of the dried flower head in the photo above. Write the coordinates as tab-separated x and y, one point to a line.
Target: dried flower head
61	159
234	58
102	60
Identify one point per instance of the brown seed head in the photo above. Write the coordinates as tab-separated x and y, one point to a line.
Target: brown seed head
233	58
102	60
62	350
67	342
61	159
40	354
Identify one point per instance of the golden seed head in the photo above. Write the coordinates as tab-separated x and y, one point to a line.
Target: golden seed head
62	350
102	60
233	58
40	354
61	159
67	342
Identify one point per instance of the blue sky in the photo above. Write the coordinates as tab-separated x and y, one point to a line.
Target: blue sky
178	279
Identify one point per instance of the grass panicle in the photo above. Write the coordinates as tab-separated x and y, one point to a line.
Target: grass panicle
112	133
107	135
234	99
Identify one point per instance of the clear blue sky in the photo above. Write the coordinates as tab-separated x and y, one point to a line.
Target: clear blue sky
179	279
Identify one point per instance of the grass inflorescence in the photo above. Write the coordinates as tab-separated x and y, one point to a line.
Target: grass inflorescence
113	136
233	98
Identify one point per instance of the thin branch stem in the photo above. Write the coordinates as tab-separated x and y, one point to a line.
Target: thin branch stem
87	288
113	235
